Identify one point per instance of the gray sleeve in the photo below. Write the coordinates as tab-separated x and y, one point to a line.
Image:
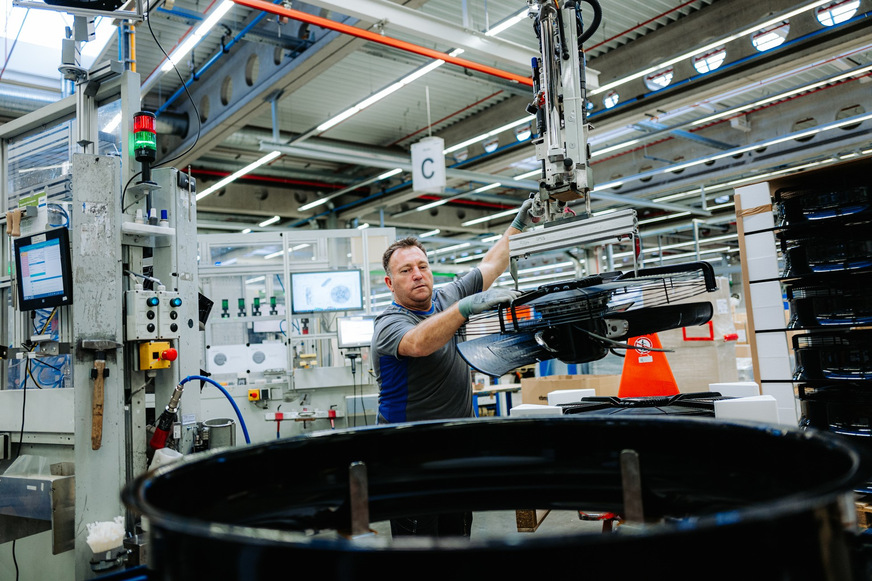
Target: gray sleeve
389	331
469	284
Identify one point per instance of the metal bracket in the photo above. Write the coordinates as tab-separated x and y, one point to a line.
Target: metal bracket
358	490
607	229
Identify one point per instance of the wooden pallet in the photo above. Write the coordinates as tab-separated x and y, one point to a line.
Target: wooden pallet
864	512
529	520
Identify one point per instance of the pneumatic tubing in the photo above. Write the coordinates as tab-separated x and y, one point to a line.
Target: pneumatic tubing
227	395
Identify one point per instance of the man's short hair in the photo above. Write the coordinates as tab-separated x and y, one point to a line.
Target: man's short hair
408	242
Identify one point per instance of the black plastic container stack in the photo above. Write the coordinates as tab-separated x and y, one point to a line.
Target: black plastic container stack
825	232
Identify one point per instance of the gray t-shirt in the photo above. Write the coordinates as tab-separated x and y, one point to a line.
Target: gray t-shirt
434	387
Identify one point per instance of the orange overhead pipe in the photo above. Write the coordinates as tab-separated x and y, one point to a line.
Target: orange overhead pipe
373	37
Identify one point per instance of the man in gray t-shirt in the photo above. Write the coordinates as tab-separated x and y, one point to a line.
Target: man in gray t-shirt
420	374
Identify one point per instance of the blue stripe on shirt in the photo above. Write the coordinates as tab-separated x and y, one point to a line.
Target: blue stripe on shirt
394	393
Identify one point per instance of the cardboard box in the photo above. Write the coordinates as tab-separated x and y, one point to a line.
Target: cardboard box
536	389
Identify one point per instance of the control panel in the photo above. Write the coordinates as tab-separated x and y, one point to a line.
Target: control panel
152	314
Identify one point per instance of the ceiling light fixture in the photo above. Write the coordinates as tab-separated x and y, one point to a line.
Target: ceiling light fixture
708	47
490	217
324	199
376	97
507	23
451	198
272	220
484	136
189	43
235	176
429	233
450	248
389	174
541	268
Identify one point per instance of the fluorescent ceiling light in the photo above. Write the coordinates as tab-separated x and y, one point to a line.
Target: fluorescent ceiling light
484	136
666	217
491	217
233	177
470	258
272	220
246	231
376	97
429	233
189	43
450	248
388	174
528	174
429	205
783	95
508	23
363	226
708	47
452	198
311	205
616	147
542	268
486	188
687	255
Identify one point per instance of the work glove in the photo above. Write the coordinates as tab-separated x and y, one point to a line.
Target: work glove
525	218
485	300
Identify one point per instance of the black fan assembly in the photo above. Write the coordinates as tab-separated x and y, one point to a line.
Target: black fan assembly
581	320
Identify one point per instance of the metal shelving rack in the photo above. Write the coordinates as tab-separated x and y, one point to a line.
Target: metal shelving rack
806	246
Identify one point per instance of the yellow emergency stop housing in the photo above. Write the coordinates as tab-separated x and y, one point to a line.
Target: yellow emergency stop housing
150	355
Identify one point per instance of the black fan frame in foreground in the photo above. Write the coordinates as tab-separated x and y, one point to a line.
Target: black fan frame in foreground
581	320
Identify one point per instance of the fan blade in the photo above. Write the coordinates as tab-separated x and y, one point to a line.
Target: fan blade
655	319
498	354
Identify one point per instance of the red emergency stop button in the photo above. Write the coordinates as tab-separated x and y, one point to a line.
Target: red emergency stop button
169	354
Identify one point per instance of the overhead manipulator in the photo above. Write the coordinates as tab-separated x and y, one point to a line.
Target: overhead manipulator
559	105
581	320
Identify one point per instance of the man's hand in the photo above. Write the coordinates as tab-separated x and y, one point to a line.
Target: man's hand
486	300
525	218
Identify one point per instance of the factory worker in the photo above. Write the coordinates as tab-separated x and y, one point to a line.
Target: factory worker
420	374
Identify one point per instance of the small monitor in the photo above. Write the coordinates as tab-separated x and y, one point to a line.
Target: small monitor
355	332
326	291
43	270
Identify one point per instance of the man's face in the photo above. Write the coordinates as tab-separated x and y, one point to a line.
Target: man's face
411	280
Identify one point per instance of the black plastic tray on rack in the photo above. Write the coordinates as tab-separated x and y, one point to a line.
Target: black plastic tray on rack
837	355
802	206
838	302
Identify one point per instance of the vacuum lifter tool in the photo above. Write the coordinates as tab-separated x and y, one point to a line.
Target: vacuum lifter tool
559	105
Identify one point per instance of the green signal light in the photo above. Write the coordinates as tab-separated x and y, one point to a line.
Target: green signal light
144	140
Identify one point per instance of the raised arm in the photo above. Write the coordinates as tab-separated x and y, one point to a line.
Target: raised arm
496	260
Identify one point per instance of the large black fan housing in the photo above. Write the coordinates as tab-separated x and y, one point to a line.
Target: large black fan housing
581	320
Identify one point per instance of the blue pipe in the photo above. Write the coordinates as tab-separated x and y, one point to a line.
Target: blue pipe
212	61
224	391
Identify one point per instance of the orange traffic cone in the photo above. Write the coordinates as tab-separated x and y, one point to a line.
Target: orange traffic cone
646	372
